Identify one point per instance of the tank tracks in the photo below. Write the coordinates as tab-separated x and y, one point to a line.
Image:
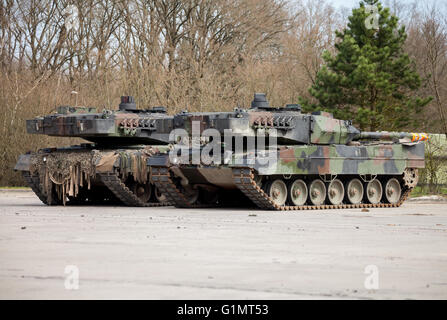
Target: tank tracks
123	193
112	182
161	178
244	180
33	182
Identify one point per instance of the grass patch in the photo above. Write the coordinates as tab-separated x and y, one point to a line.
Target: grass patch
15	188
419	191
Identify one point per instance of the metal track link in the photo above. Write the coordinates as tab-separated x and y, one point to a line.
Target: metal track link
122	192
161	178
33	182
244	179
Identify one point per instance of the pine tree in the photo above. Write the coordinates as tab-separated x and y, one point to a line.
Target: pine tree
370	79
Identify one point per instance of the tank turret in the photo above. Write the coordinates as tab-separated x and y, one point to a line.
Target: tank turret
127	125
290	124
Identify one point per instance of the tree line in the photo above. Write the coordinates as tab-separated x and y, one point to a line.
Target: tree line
200	55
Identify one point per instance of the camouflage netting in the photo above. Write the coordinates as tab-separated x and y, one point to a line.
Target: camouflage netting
66	171
134	163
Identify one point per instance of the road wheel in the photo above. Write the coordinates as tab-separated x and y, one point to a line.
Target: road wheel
336	192
142	191
354	191
192	195
277	191
159	196
209	197
317	192
393	191
298	192
374	191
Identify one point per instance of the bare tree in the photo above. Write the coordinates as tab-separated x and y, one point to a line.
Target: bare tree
427	43
194	54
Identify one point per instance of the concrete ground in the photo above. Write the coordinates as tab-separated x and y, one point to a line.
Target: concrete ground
168	253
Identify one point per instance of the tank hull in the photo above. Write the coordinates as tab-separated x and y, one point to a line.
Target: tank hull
85	175
307	163
389	159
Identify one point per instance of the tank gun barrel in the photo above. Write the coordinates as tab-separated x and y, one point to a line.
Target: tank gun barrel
385	135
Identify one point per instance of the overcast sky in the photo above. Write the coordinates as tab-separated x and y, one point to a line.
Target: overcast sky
355	3
344	3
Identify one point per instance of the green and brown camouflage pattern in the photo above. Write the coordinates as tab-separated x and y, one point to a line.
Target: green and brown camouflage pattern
114	127
307	145
129	142
290	125
306	160
380	159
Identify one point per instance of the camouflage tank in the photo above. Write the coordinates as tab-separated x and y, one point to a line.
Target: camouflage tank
110	168
283	159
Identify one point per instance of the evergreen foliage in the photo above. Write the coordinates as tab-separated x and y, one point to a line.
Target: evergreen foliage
370	79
